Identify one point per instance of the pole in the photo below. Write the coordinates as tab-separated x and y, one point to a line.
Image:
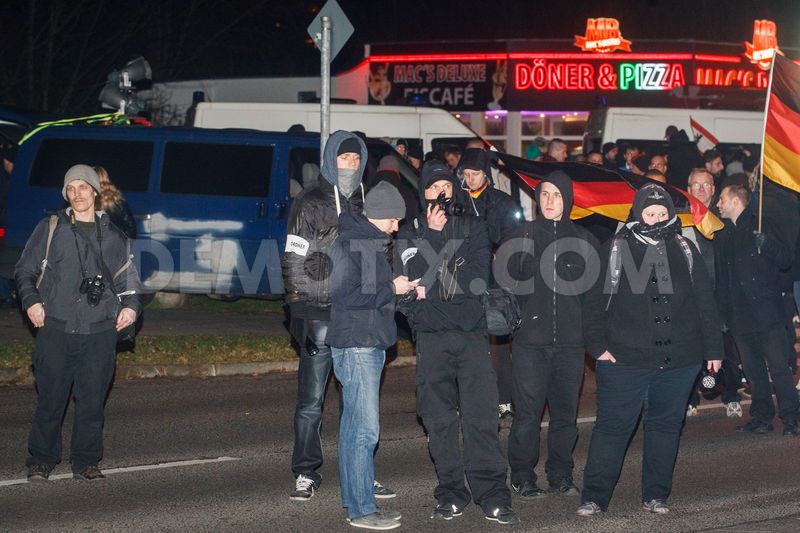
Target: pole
763	137
325	98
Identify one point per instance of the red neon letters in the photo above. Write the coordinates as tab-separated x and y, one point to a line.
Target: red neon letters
540	75
719	77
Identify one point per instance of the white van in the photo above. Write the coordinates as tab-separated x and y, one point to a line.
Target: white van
430	126
644	123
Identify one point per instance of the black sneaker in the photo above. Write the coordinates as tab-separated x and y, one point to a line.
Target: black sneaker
446	511
754	426
303	489
502	515
382	492
790	429
565	488
90	473
39	473
527	490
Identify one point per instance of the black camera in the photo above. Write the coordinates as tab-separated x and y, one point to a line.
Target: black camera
93	289
447	205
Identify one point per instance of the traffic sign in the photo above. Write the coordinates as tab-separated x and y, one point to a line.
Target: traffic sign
342	29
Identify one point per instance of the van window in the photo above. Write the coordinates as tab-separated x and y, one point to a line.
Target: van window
303	169
216	169
127	162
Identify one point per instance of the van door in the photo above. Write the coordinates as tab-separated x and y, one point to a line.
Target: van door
217	219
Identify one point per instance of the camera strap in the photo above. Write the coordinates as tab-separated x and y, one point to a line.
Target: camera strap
104	269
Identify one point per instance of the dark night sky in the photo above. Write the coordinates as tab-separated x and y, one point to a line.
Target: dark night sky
189	39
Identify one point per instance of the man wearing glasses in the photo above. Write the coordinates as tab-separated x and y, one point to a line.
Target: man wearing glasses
701	186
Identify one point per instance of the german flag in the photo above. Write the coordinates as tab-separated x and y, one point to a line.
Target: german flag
782	129
610	193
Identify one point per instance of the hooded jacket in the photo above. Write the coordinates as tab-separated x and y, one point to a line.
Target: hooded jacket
501	213
312	230
65	307
362	292
661	314
419	254
558	256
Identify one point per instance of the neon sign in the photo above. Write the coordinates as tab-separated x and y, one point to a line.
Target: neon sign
603	36
719	77
540	75
765	44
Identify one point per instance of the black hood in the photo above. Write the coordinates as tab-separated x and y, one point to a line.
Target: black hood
564	184
651	194
434	171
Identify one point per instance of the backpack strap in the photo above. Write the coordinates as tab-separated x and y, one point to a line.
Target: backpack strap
51	230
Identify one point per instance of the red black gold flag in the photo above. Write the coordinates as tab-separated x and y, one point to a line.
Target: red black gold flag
782	129
610	193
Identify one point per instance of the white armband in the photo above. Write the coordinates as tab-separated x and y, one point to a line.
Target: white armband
297	245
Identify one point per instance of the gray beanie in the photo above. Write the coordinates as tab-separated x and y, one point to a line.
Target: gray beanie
384	202
81	172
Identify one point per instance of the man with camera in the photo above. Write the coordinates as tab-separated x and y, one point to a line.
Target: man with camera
448	253
79	287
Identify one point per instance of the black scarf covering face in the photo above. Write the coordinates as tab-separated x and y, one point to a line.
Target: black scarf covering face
651	234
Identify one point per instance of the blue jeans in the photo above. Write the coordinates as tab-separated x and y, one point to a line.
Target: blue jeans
622	392
312	378
359	372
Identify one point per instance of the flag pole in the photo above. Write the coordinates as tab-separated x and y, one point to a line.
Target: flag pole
763	138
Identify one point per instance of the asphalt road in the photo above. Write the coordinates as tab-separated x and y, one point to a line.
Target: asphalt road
724	481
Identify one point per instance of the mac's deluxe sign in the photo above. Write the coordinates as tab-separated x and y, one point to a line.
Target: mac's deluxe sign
602	36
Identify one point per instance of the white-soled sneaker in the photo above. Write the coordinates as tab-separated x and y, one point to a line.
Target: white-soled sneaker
691	410
303	489
381	492
733	409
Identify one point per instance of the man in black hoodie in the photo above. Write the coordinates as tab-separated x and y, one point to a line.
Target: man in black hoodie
559	264
503	216
306	265
450	256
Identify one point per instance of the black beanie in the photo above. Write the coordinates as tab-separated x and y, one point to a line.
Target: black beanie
652	194
607	147
350	144
474	159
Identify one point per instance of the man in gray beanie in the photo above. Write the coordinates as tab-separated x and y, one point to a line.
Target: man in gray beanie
361	328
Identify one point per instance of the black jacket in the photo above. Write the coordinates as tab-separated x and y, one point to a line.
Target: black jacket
122	217
65	307
553	317
362	292
502	214
464	311
748	283
311	231
683	157
655	327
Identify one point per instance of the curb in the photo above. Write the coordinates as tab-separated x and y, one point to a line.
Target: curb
24	376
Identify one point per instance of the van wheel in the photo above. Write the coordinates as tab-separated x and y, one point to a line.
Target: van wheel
170	300
223	297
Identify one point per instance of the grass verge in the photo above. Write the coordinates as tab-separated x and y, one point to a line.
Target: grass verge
187	349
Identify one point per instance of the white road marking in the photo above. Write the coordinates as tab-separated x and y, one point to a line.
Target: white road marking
139	468
593	419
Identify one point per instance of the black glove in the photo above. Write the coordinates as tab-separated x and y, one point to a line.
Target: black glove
760	239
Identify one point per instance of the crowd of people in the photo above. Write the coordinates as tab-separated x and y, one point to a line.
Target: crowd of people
657	309
655	306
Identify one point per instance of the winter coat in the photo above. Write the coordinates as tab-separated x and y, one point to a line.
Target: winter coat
683	157
65	307
748	282
417	244
502	214
311	231
553	318
362	292
660	316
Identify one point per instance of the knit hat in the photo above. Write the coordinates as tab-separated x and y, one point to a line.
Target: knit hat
389	162
415	152
384	202
474	159
350	144
652	194
81	172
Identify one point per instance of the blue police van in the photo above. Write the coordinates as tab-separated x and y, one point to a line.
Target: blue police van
211	206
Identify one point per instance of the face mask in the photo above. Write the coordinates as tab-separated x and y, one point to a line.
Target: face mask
347	180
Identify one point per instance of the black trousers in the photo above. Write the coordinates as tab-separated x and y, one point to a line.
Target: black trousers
501	362
66	365
622	392
552	376
764	355
455	381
